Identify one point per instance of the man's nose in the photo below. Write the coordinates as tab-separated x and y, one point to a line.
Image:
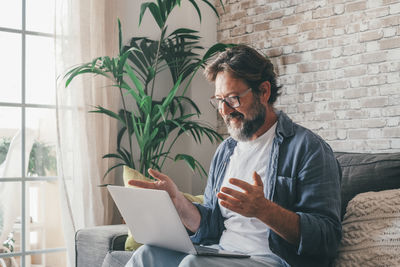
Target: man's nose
225	109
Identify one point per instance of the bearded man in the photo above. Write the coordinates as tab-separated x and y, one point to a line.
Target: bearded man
273	190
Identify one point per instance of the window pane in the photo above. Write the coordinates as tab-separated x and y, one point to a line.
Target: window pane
40	15
10	215
41	136
12	261
10	142
10	69
10	14
43	228
40	70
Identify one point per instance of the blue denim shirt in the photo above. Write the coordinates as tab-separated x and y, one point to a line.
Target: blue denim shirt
304	177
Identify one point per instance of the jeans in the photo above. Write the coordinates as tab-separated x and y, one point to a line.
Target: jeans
151	256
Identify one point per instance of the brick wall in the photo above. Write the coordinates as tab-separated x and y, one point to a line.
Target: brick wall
338	62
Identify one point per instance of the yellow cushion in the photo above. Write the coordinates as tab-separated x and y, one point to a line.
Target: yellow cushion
131	174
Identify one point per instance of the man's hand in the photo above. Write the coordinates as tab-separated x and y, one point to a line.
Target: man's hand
188	213
248	203
252	203
163	182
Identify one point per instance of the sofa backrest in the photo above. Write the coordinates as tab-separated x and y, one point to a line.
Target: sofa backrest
363	172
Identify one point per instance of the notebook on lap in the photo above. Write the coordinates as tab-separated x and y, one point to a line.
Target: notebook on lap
153	220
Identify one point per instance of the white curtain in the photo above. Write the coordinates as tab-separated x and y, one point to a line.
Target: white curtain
84	30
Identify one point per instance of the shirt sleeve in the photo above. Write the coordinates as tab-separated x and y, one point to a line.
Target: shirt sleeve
318	205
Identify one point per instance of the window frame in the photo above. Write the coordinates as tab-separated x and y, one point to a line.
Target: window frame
24	179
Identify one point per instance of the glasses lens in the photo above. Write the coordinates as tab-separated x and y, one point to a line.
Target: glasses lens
214	102
232	101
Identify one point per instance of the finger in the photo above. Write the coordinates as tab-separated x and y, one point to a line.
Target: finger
242	184
236	194
257	179
157	175
232	207
142	184
229	199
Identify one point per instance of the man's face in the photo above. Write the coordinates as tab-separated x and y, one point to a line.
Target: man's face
244	121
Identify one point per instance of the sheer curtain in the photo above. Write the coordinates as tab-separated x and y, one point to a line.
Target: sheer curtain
84	30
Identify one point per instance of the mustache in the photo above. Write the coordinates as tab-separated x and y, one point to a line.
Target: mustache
234	114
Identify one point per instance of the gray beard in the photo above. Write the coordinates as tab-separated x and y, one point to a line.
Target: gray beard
249	126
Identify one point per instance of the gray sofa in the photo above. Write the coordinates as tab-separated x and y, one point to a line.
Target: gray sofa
362	172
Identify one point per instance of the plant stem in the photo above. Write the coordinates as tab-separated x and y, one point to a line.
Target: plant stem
126	122
156	62
168	151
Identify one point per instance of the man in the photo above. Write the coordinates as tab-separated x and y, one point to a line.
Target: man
273	189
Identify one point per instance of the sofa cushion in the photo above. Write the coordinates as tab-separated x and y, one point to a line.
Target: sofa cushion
371	230
363	172
117	258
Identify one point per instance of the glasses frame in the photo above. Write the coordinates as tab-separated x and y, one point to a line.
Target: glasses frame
217	102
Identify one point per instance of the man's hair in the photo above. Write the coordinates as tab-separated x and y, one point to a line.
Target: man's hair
245	63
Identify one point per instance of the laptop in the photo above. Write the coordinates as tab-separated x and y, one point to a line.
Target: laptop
153	220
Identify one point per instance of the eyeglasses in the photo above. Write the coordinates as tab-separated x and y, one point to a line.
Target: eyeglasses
231	101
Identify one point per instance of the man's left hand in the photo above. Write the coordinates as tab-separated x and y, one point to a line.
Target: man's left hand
248	203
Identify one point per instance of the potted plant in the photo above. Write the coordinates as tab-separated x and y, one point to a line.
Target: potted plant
155	124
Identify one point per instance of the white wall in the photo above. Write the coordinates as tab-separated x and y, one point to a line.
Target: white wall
200	90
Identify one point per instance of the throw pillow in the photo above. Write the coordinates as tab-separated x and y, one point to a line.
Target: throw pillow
371	230
131	174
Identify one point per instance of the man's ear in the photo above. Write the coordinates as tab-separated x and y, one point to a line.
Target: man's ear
265	88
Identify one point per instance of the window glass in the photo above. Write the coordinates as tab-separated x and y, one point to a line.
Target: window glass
40	15
44	219
10	215
10	14
41	136
10	142
10	69
40	70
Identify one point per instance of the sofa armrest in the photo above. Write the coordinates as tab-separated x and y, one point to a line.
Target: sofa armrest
92	244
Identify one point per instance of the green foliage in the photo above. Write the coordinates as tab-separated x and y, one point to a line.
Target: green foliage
4	145
156	125
10	242
42	159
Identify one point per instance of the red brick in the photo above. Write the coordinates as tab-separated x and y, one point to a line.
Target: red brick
274	52
293	19
239	15
321	55
319	33
338	21
322	12
358	6
339	84
377	12
374	102
335	105
291	59
371	36
277	32
306	26
261	26
389	43
390	21
353	49
274	15
238	31
307	67
374	57
355	71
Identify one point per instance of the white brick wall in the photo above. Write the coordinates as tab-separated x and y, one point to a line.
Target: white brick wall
338	60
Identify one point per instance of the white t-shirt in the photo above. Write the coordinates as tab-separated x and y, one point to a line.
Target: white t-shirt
243	234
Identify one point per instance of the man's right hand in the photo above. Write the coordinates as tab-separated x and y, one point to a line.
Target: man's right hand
163	182
188	213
